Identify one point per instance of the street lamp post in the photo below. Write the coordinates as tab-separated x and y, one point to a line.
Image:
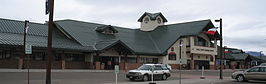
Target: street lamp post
180	46
221	48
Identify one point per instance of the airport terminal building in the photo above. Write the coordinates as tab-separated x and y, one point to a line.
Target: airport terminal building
86	45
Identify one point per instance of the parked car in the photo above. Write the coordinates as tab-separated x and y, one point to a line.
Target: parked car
144	72
262	64
254	73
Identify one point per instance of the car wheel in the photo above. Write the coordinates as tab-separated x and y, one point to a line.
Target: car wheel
164	77
240	78
145	78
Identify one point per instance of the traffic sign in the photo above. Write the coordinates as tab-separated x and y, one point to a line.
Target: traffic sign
182	61
28	49
116	68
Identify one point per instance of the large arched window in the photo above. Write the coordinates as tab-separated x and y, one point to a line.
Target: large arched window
200	42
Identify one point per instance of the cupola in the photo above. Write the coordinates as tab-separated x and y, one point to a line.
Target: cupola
149	21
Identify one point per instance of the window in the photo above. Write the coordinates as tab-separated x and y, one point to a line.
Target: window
164	67
144	67
256	69
5	54
39	56
172	56
157	67
262	69
159	21
58	57
148	60
74	57
131	60
200	42
146	20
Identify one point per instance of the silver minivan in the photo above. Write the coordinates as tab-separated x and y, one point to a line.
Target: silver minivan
254	73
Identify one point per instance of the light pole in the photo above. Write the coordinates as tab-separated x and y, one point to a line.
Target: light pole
221	48
180	46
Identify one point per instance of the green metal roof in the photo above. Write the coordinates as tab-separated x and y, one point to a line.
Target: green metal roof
155	42
11	33
78	35
234	54
17	27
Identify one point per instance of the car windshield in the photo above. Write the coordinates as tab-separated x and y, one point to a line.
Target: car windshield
144	67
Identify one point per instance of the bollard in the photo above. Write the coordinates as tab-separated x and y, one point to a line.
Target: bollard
202	70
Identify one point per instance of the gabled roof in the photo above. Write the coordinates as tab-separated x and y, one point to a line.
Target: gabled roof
234	54
155	42
152	16
78	35
102	45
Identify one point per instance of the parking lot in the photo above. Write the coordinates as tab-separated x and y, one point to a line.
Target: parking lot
108	77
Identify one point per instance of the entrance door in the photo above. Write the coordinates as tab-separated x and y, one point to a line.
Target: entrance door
201	63
108	62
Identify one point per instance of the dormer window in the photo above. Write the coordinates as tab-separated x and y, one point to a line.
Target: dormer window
146	20
159	21
106	29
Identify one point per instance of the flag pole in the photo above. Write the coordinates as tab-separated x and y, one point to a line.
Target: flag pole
49	45
221	48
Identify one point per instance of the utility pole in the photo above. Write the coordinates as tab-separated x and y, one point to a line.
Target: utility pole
25	54
221	48
49	45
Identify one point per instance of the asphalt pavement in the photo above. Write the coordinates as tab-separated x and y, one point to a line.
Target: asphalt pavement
72	76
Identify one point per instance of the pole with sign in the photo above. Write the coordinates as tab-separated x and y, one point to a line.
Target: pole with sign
28	51
152	74
27	48
116	72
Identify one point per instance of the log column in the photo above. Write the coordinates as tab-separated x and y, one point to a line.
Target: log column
192	62
63	61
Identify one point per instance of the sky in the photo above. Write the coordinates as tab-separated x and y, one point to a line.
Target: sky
244	21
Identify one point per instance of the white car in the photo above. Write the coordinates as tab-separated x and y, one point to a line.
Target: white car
145	72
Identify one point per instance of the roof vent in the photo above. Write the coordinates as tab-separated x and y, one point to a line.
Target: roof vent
106	29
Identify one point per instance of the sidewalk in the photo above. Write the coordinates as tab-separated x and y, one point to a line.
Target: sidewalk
225	70
184	81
